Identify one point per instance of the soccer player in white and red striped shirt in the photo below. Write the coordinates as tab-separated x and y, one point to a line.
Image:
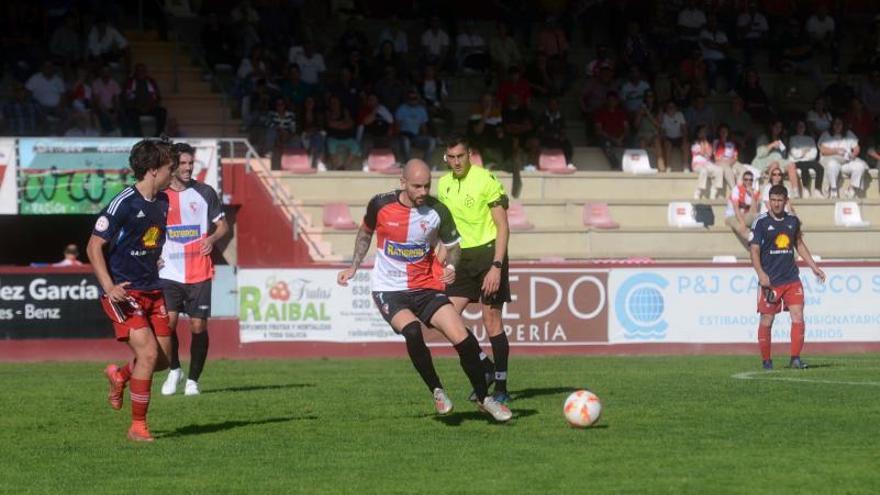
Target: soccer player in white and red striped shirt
408	224
187	270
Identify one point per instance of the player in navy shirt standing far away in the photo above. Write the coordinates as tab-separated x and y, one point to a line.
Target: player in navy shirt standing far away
124	249
775	237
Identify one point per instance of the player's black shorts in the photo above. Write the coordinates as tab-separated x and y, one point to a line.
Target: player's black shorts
192	299
422	302
473	267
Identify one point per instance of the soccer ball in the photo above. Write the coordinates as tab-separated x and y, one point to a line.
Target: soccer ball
582	408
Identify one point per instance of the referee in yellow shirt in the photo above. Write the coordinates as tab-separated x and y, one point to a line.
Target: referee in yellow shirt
478	205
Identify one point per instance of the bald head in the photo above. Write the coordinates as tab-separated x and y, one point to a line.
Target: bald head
415	182
415	169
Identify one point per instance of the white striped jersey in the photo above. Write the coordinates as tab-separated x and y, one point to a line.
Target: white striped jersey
191	213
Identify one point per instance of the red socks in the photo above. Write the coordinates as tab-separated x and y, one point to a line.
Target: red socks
797	338
764	342
139	392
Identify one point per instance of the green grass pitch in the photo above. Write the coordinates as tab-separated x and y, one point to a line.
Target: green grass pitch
669	425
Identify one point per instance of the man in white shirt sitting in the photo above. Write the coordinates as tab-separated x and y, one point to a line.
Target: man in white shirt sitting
839	150
47	88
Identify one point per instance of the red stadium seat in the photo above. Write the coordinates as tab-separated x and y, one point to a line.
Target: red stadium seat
296	161
337	216
382	160
553	161
516	217
597	215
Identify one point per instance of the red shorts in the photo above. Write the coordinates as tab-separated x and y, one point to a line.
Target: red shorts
784	296
144	309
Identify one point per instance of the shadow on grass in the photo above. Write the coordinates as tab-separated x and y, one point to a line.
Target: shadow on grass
528	393
227	425
257	388
456	419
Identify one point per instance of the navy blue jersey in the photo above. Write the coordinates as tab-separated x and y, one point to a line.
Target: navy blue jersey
135	231
778	241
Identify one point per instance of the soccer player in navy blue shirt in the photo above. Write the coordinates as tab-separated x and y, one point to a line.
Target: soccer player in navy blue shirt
124	249
775	237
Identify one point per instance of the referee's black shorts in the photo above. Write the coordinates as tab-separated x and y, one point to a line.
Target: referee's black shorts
470	272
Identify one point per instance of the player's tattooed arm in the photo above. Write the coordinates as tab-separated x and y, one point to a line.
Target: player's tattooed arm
453	254
361	246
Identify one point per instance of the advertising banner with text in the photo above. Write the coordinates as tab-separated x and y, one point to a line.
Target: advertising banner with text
696	305
560	306
81	175
8	190
51	305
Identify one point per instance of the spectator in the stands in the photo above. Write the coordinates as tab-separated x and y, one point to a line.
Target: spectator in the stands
553	43
311	64
519	124
217	43
81	125
632	91
22	115
699	113
375	125
860	122
348	90
839	150
604	59
821	29
551	130
716	52
693	78
246	25
293	89
839	93
752	30
741	127
47	87
819	118
411	120
433	92
593	96
361	70
646	123
342	147
390	89
674	134
435	43
637	50
503	51
470	48
803	152
726	155
106	44
772	153
311	124
142	97
776	178
397	36
71	256
612	128
66	44
691	21
754	97
353	38
788	94
710	177
486	132
541	82
515	84
796	49
869	92
280	129
743	206
387	56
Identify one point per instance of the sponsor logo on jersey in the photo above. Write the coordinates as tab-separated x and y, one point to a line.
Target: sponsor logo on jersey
409	253
183	234
783	241
151	237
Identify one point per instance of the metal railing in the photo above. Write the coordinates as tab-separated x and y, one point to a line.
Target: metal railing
241	149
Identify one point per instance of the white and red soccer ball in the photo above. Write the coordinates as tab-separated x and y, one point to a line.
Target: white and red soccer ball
582	408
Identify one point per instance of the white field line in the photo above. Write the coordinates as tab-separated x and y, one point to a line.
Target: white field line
769	376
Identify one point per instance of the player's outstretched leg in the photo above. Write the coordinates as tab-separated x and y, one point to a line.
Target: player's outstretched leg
420	356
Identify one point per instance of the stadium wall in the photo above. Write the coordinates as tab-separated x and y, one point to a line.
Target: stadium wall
557	309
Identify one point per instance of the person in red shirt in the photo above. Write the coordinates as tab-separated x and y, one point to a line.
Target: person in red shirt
612	129
516	84
859	120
